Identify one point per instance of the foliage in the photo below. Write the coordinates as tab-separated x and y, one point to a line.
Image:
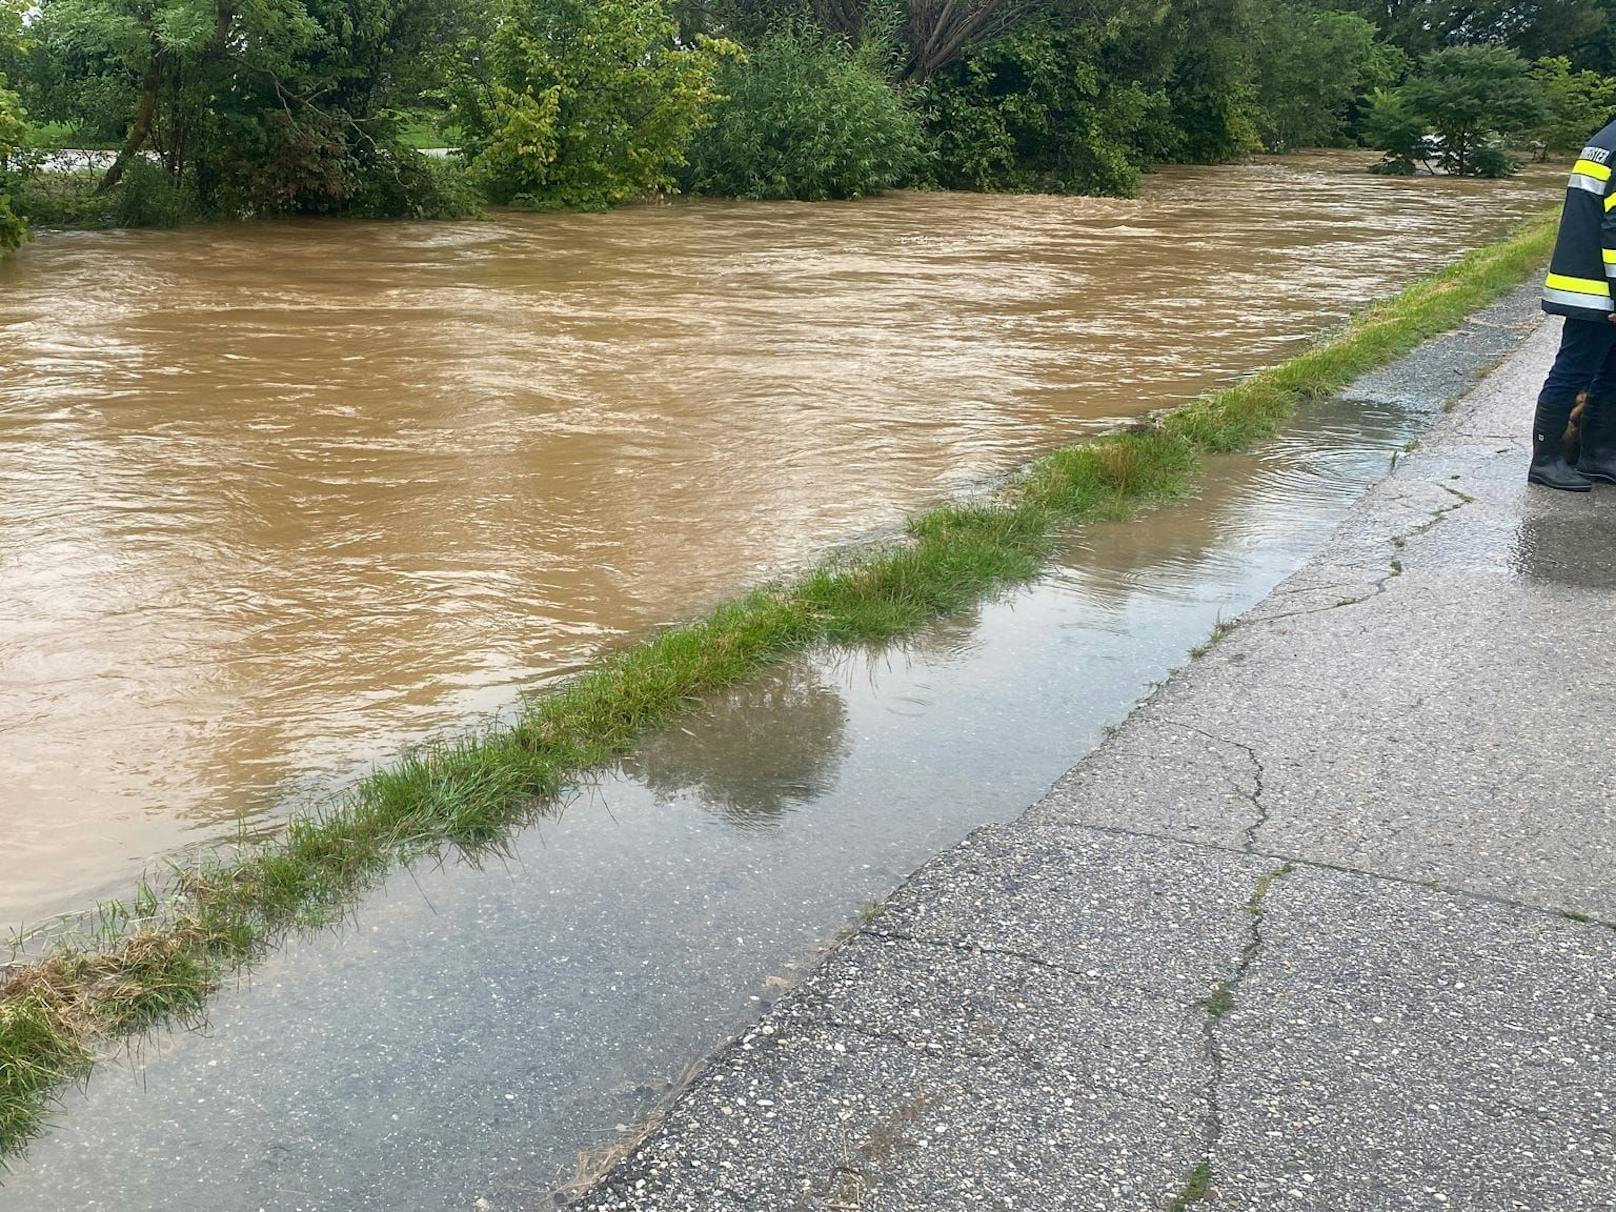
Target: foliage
1310	67
408	184
248	108
1214	100
801	118
1394	125
1580	29
584	103
66	199
1035	112
1577	104
13	133
254	107
149	196
1470	96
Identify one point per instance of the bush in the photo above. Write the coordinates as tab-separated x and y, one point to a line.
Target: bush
586	104
13	136
1492	159
1578	103
399	183
146	197
1034	112
63	199
150	196
800	118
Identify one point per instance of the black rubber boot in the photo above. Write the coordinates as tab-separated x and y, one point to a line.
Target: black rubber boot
1549	467
1598	458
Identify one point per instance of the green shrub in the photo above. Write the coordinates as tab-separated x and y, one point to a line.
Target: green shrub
63	199
146	197
399	183
150	196
13	137
801	118
1035	112
584	103
1577	103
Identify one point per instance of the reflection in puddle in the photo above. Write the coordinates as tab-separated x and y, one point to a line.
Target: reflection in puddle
761	751
1567	542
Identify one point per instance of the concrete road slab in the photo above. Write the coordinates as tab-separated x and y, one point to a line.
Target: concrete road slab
1398	1047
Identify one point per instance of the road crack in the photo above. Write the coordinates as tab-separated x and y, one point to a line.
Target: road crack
1201	1181
1259	785
1399	542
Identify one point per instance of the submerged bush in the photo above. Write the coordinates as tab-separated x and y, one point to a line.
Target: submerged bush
801	118
1035	112
584	103
13	133
400	183
150	196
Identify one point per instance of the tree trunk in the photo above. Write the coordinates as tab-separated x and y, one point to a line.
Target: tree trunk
142	124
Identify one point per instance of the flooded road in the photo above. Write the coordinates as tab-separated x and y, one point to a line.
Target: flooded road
276	500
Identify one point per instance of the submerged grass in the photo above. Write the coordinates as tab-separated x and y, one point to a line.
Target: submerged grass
156	959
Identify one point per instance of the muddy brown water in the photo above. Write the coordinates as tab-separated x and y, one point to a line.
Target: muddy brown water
276	500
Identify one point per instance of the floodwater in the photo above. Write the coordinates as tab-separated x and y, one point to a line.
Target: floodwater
497	1023
278	499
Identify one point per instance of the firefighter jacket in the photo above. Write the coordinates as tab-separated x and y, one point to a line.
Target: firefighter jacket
1584	262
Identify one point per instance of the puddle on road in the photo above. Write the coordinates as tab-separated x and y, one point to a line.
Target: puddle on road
471	1032
278	499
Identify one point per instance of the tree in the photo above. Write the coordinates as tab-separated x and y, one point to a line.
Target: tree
1576	103
13	132
1037	112
584	103
802	118
1579	29
1214	99
1472	95
1396	127
1310	67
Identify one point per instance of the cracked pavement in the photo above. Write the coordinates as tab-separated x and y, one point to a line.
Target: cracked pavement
1328	923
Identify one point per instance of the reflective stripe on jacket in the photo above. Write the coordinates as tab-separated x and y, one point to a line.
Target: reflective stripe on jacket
1584	262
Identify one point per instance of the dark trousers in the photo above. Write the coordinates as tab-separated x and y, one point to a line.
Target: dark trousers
1586	362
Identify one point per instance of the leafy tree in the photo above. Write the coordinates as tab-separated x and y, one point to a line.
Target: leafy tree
1472	95
1214	102
1580	29
1577	103
1394	125
1036	112
13	231
13	133
1310	67
584	103
801	118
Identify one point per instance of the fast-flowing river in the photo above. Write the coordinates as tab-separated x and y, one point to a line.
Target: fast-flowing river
278	499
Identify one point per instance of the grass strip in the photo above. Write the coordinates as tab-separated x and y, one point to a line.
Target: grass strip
155	959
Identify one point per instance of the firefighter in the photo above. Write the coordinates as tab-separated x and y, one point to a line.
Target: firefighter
1579	288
